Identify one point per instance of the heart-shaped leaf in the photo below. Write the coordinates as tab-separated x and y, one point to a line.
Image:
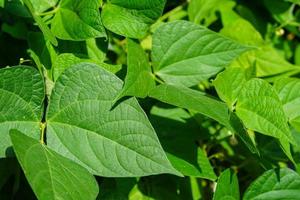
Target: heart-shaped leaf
185	53
83	126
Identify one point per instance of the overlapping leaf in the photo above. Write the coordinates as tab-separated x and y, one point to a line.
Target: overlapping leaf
109	142
21	100
260	109
139	80
78	20
275	184
131	18
185	53
191	99
50	175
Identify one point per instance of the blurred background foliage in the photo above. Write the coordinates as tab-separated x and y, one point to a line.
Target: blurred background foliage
202	146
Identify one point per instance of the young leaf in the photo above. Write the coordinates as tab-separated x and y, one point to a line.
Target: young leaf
227	186
83	20
139	80
51	175
191	99
131	18
260	109
185	53
288	91
41	24
21	100
83	126
275	184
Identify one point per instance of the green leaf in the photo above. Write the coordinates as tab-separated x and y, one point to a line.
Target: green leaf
42	48
83	127
139	80
66	60
227	186
267	61
275	184
260	109
21	100
41	24
288	91
185	53
83	20
51	175
243	31
131	18
41	6
229	84
2	3
191	99
205	11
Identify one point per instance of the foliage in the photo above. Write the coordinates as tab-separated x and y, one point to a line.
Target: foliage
155	99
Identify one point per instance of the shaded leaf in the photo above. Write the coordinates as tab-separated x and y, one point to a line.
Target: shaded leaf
51	175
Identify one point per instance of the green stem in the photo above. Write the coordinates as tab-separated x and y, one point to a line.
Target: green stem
43	128
51	12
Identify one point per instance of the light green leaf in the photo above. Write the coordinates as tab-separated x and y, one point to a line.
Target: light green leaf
229	84
96	49
191	99
185	53
41	24
66	60
82	126
41	6
227	186
267	61
2	3
139	80
288	91
51	175
21	100
205	11
275	184
260	109
83	20
242	31
131	18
